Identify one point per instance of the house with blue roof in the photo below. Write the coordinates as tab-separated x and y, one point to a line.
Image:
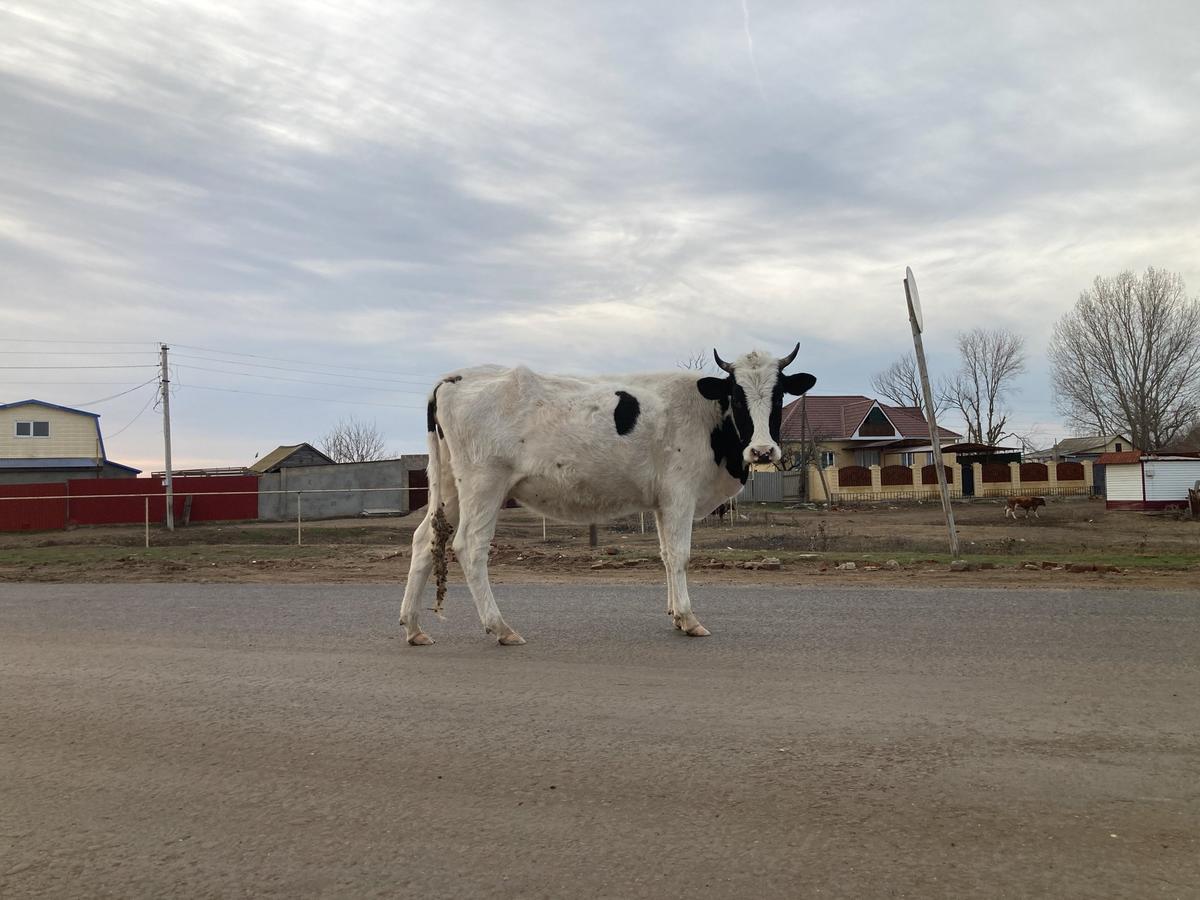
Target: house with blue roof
42	441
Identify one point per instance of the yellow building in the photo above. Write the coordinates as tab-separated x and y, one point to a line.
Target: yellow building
42	441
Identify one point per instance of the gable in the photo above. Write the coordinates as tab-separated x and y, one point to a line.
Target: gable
876	424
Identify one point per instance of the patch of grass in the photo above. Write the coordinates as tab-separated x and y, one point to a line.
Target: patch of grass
79	556
1178	561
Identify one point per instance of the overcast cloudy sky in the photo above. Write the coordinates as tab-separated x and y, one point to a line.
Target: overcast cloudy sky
365	194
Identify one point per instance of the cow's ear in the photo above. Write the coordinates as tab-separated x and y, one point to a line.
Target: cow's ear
798	383
714	388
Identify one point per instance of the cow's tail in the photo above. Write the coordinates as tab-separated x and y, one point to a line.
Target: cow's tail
442	529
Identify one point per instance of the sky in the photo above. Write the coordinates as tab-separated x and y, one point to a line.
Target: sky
321	207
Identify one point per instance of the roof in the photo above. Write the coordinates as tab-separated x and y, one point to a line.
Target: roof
1124	458
838	417
82	412
1083	444
279	454
62	462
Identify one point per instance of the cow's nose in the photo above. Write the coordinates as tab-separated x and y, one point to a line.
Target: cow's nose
763	454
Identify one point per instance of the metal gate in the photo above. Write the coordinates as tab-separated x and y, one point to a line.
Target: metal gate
968	480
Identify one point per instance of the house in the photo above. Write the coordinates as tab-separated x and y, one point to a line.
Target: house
1140	481
45	442
287	456
857	430
1077	449
852	434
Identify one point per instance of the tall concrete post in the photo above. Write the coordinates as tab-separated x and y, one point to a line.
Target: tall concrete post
166	405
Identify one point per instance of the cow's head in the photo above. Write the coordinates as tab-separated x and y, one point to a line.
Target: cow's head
752	399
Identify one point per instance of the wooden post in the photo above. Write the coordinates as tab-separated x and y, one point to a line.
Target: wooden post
299	533
915	319
593	536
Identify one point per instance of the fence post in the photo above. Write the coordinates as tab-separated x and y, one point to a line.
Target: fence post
147	499
543	529
299	533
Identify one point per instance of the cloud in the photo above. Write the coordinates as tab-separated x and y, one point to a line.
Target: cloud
415	187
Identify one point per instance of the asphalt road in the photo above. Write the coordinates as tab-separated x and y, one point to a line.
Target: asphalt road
229	741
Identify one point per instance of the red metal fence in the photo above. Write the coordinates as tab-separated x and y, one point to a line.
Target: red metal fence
122	501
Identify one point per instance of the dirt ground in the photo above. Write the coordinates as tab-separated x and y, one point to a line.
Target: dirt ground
1075	542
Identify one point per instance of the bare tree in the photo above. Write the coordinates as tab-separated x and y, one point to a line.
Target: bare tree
989	361
900	384
697	362
353	440
1127	358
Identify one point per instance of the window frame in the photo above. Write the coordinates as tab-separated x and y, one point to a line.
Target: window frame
32	425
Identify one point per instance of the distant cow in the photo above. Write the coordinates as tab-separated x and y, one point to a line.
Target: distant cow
589	449
1025	503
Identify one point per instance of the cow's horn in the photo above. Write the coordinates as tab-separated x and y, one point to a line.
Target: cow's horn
787	360
724	365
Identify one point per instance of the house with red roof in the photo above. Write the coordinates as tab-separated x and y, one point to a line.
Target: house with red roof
859	431
867	448
864	449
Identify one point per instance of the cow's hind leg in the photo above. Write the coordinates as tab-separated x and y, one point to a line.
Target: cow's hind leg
419	570
480	498
675	536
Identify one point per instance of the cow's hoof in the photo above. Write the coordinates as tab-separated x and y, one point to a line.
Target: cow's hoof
697	630
511	639
420	639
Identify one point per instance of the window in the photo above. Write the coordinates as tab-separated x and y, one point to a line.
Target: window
1118	448
33	429
915	459
826	458
866	457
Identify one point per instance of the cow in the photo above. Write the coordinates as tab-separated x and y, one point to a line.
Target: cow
586	449
1025	503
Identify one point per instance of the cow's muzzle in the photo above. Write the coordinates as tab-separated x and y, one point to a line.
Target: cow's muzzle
765	453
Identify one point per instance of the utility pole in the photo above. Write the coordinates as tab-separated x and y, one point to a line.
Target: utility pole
165	382
916	320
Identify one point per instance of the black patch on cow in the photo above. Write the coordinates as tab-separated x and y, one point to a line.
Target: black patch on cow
625	416
727	449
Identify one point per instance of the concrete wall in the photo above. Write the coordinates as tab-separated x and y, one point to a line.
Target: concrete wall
330	489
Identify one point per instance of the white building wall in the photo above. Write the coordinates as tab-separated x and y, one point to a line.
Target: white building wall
1169	479
1123	482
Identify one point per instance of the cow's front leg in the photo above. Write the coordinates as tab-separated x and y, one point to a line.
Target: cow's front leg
661	530
675	538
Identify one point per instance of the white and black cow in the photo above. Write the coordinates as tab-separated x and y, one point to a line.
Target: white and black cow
590	449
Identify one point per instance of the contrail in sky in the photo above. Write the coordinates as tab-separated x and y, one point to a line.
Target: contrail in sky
750	47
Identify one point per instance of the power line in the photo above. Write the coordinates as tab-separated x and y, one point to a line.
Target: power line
299	362
80	383
300	380
78	367
149	400
203	387
114	396
301	371
73	352
66	341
